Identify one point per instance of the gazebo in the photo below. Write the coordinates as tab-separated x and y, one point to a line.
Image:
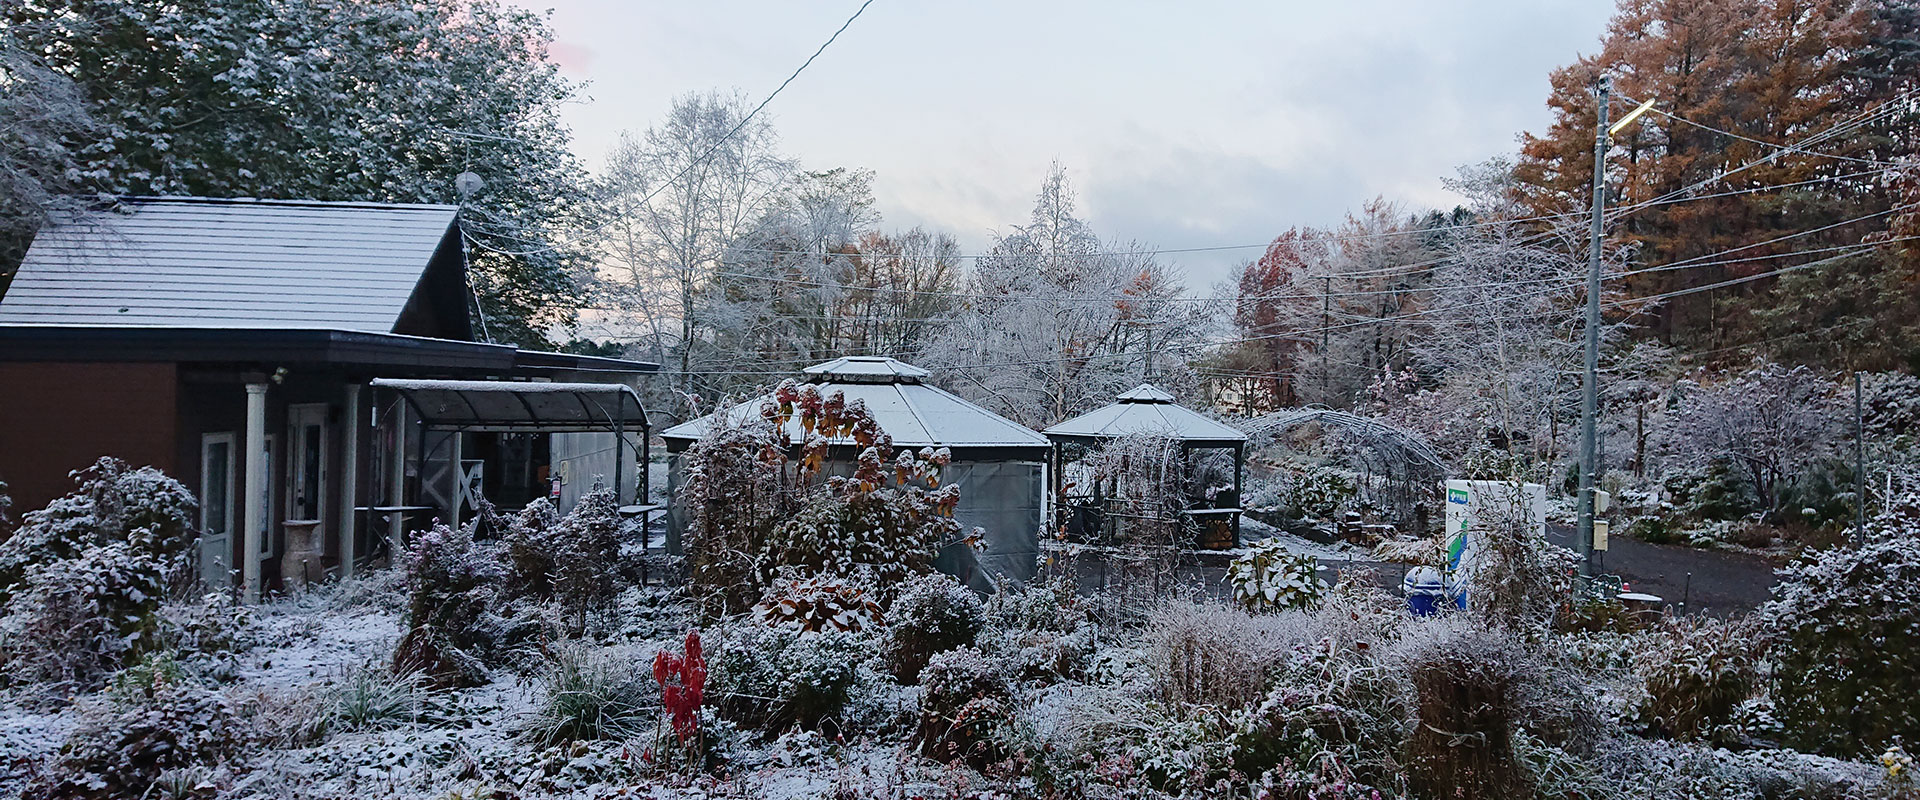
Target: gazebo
1148	409
999	465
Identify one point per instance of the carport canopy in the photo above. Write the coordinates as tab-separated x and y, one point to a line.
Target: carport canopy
520	406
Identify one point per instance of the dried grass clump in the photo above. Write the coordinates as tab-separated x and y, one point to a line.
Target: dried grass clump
1218	655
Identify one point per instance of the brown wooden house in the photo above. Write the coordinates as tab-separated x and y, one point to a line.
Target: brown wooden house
308	369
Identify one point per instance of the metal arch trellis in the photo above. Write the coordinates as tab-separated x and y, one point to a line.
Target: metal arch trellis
1378	434
1406	458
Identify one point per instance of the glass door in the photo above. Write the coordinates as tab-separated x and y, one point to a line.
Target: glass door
306	464
216	509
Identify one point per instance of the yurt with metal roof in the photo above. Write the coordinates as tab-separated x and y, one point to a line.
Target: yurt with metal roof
999	465
1148	409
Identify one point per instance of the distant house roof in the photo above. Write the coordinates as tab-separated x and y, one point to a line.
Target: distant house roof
272	264
913	413
1146	409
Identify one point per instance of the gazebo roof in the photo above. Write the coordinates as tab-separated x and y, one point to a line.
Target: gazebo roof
1146	409
913	413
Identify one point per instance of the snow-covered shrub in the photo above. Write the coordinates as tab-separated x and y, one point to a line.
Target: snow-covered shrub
1080	740
1215	654
452	582
1642	769
143	508
1767	424
1844	630
932	614
760	503
770	678
213	625
818	603
1474	686
122	747
589	695
573	559
1519	579
1318	493
1272	578
1336	713
71	621
1043	631
1698	674
964	697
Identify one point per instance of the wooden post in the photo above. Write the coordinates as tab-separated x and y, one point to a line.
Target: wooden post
253	491
349	479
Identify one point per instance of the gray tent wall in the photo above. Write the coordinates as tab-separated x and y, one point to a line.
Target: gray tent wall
1004	498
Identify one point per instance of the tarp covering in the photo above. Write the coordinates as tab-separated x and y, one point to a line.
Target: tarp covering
521	405
1003	498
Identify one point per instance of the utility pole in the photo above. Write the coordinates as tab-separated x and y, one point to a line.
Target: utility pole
1859	465
1326	322
1590	385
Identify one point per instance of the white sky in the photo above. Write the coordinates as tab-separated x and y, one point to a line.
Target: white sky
1184	124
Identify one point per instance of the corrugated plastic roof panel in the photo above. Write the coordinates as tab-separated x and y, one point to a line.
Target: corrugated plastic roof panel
193	262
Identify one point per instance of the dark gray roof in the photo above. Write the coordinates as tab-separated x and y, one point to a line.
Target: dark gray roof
195	262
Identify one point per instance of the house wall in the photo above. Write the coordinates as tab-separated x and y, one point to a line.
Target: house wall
56	417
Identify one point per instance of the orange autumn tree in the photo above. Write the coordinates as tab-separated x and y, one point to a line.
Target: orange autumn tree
1736	81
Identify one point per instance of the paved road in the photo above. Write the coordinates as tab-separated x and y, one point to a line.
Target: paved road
1721	583
1710	581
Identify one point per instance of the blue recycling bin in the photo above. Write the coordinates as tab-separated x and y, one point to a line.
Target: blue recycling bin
1425	589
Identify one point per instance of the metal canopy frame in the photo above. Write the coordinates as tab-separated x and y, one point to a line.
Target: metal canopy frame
530	407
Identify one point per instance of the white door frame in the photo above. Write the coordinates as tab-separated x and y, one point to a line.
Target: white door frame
216	551
301	416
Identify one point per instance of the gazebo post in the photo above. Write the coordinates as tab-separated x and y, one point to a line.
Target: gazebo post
1239	494
619	451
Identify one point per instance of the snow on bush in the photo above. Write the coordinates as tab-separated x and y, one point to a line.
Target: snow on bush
1699	674
126	747
1844	631
573	559
964	699
760	503
932	614
1042	631
452	583
113	503
770	678
818	603
1269	577
71	621
1217	655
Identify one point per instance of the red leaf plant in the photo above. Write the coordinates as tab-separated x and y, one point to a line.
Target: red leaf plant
682	679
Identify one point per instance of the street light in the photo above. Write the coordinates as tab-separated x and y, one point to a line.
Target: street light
1590	385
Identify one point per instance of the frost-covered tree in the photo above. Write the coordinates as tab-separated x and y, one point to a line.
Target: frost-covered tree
377	100
1060	321
682	196
1769	423
41	113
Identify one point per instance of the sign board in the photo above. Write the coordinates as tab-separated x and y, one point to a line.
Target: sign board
1471	504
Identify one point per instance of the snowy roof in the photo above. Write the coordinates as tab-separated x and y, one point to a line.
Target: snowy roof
202	263
913	413
867	369
521	405
1146	409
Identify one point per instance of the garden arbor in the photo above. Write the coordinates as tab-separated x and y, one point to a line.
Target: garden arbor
1395	467
1203	497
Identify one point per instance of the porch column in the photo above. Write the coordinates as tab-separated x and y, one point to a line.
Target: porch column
397	485
253	491
456	479
349	479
